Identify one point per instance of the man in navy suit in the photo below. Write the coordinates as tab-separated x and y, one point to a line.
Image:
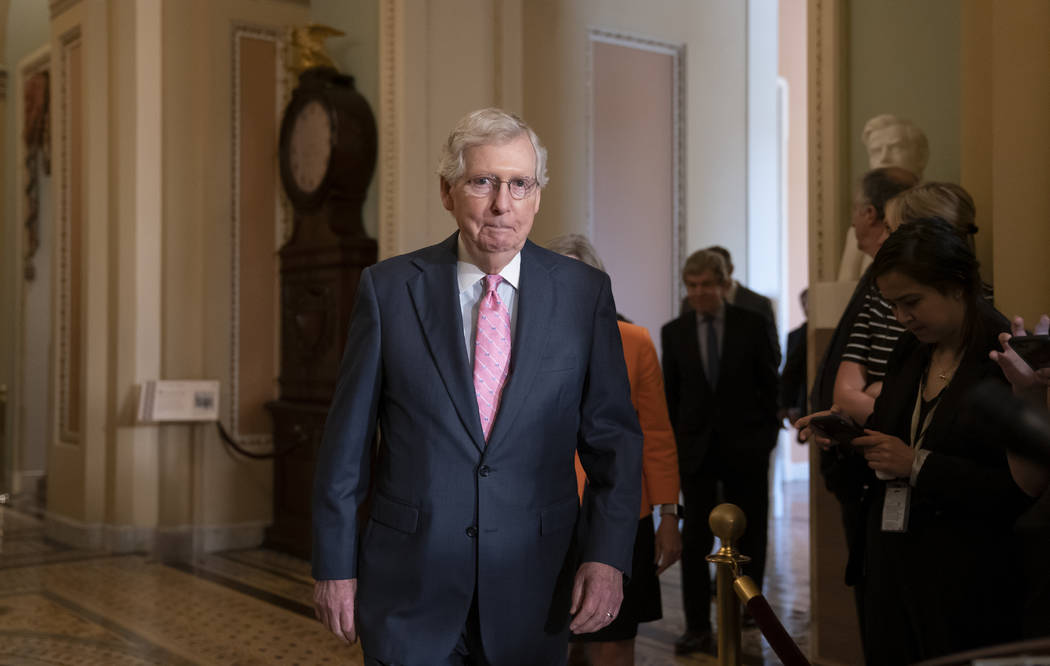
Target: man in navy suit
471	552
720	376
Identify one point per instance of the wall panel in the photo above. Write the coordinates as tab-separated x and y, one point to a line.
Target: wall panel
257	226
71	242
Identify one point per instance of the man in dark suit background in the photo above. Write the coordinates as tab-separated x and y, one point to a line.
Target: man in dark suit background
720	375
470	554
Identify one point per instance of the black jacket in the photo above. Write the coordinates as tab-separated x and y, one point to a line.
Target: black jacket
740	413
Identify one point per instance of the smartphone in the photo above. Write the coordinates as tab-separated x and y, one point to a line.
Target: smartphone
1034	349
841	429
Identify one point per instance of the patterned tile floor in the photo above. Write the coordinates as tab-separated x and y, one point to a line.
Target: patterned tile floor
65	606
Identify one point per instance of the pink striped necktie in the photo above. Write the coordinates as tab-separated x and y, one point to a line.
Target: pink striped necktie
491	353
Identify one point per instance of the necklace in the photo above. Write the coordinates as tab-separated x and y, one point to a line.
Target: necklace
945	374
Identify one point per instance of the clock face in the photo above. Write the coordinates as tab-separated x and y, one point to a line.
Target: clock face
310	146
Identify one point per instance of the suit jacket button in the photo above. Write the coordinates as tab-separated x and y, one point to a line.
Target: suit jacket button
472	531
483	470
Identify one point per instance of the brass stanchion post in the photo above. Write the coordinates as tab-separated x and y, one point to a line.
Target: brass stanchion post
728	523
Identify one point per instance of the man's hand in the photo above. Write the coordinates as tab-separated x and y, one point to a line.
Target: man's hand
1018	373
668	543
334	606
596	597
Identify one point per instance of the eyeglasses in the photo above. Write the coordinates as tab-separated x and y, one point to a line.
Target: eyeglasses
483	186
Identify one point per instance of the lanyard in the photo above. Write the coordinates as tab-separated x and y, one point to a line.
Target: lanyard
917	435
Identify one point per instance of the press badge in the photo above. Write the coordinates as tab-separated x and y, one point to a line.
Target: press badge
895	507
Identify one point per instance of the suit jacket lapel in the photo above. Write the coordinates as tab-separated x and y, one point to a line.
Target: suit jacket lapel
435	297
536	300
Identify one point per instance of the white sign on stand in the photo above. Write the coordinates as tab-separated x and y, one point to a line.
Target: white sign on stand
166	400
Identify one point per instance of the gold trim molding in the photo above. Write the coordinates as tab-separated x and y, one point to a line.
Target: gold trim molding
827	112
252	441
390	17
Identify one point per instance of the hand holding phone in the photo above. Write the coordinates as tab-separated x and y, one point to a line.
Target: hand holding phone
837	427
1034	349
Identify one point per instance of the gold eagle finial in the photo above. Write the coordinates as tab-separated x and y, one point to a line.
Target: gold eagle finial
306	47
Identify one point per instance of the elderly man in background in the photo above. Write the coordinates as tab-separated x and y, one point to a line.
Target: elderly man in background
487	363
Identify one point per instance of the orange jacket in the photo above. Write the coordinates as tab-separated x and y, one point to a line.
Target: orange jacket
660	482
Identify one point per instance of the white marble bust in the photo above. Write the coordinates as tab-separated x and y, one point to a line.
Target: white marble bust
895	141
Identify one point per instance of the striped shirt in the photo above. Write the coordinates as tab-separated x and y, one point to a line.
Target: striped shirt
874	335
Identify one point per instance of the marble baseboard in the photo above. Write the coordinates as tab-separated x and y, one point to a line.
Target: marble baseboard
179	542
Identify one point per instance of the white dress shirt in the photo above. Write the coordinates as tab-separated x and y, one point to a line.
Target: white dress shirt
472	287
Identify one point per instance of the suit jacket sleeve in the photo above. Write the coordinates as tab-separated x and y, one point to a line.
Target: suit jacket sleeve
609	445
672	379
342	476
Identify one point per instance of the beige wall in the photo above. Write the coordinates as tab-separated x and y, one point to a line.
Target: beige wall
157	126
1020	153
208	487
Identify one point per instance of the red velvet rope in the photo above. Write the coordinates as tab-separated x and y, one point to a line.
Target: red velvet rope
774	632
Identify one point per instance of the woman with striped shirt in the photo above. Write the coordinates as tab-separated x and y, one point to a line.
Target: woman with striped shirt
875	332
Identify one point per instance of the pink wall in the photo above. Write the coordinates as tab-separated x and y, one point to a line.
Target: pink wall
632	180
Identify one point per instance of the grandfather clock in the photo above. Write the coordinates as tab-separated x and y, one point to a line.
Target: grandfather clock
327	157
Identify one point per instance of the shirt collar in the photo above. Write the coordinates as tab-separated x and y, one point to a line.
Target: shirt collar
719	314
468	274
